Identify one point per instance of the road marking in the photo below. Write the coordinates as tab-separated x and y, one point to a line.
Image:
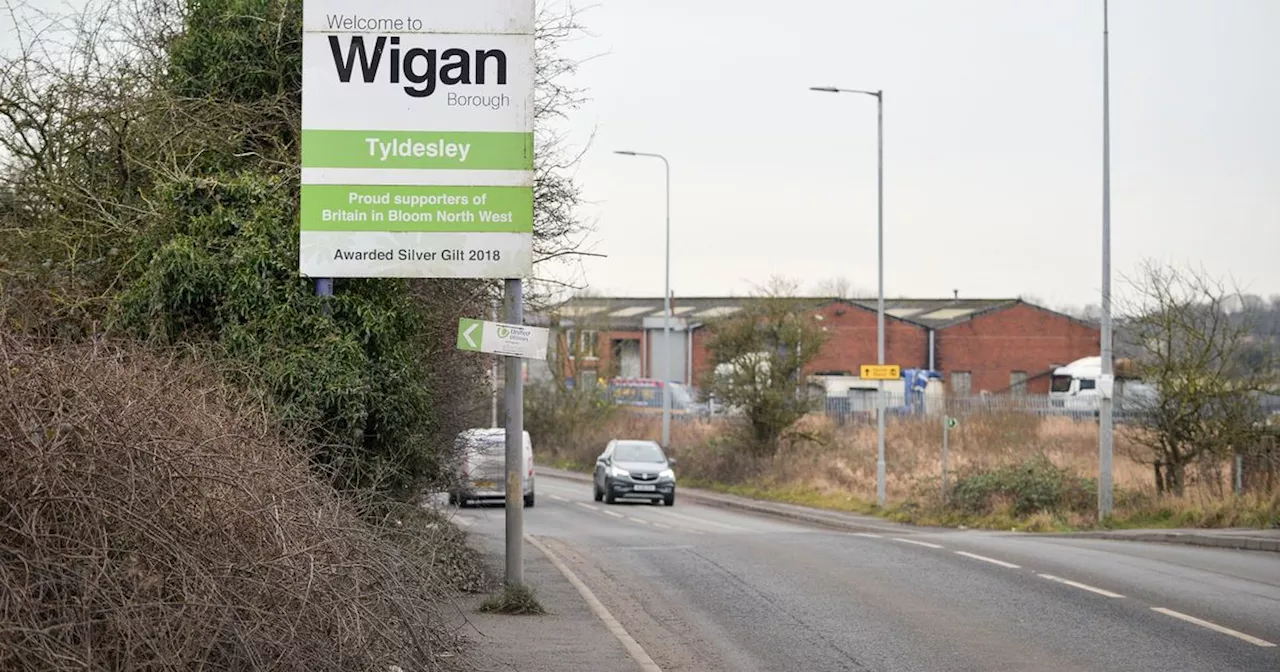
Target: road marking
661	526
692	519
615	514
1214	626
558	498
867	535
1081	586
587	506
993	561
638	520
632	646
917	543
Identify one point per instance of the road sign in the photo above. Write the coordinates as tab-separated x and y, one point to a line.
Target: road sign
497	338
881	372
952	423
417	138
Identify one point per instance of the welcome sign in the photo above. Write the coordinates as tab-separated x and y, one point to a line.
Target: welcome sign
417	138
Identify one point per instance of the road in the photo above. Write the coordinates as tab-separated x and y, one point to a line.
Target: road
701	588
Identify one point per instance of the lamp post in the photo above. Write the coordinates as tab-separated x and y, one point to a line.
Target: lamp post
666	306
1105	420
880	420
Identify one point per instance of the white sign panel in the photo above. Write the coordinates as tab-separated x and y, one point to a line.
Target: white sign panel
497	338
417	138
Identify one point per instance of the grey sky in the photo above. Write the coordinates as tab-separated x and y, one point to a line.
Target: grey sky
993	147
993	142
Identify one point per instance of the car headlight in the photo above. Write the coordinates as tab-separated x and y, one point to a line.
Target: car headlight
667	473
619	471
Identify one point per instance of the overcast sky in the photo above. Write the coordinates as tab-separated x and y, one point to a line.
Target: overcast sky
992	131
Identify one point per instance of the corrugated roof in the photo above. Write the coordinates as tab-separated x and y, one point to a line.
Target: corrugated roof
629	312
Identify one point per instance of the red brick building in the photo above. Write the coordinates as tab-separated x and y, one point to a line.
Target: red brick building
979	345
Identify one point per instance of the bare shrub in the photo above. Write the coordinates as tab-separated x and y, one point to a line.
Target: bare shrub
148	520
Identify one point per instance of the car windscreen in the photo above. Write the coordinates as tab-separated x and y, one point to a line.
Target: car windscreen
638	452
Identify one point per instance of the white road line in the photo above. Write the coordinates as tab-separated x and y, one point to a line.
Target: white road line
661	526
638	520
867	535
558	498
704	521
1081	586
993	561
615	514
1214	626
587	506
633	647
917	543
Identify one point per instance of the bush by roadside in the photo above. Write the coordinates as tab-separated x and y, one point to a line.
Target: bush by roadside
153	519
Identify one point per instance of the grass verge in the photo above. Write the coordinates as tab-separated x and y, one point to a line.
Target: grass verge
514	600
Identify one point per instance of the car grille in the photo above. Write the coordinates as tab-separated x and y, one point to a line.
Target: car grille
644	476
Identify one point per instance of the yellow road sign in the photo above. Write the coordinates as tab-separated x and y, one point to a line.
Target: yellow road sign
881	372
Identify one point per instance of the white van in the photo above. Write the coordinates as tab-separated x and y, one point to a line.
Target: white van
483	458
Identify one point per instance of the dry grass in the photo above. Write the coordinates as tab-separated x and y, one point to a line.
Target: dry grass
150	521
835	467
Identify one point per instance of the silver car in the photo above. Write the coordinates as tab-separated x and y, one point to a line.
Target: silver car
636	469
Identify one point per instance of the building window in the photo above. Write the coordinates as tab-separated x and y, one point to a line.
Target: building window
1018	382
961	382
588	342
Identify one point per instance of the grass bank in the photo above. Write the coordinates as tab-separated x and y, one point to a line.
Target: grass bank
1005	472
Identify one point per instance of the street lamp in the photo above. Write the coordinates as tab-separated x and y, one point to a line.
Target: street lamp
879	96
666	305
1105	420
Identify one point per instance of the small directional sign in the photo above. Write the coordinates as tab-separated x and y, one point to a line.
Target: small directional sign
881	372
952	422
496	338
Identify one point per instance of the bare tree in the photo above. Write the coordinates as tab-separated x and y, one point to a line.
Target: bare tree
758	357
839	287
1192	350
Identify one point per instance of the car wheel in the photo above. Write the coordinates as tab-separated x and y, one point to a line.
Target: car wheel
529	500
595	492
453	499
669	500
608	494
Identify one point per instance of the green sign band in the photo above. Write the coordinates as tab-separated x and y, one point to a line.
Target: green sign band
427	150
329	207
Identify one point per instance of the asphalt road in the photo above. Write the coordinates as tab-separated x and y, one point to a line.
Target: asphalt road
705	589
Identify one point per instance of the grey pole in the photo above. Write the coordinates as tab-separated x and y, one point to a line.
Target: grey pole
514	400
493	374
666	308
880	462
880	402
946	437
1105	438
324	287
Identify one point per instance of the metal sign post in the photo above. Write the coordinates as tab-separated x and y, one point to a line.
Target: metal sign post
514	400
948	423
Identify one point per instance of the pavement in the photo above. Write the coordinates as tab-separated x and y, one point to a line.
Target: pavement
707	586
